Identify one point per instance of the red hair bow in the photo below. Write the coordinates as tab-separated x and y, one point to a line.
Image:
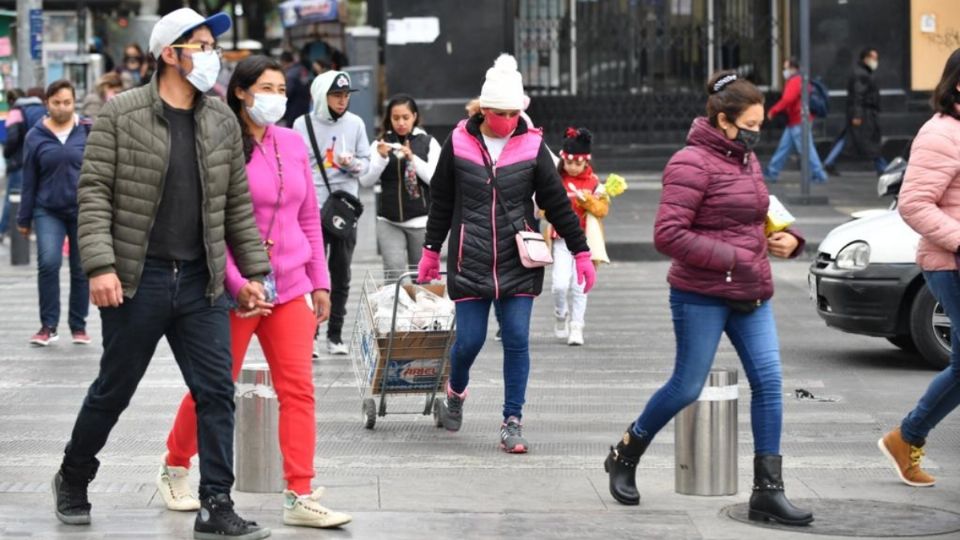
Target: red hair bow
571	132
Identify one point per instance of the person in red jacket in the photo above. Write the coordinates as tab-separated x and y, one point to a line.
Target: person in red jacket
790	141
711	223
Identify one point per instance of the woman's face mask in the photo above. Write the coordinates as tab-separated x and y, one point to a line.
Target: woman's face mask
267	108
749	138
501	125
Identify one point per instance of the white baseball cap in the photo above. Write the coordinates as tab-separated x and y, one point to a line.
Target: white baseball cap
177	23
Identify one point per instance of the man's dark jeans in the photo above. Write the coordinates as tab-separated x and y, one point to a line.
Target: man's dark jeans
171	302
339	258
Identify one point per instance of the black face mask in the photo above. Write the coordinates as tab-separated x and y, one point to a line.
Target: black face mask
749	138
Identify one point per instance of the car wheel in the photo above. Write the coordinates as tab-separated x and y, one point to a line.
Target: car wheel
930	329
904	342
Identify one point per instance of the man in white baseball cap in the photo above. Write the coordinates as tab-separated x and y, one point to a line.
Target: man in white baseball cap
163	196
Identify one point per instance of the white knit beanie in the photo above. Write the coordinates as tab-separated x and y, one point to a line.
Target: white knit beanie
503	86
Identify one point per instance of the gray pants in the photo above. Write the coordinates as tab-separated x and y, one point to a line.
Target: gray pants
400	247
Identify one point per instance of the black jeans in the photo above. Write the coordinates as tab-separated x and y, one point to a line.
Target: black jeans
339	258
171	301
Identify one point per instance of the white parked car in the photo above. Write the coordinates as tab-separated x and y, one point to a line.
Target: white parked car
865	281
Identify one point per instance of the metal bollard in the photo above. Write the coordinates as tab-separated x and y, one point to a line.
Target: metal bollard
19	245
258	463
705	436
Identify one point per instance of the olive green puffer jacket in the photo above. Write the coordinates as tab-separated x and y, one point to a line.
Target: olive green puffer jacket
121	183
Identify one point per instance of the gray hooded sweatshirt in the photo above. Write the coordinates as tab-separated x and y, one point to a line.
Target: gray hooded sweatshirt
346	134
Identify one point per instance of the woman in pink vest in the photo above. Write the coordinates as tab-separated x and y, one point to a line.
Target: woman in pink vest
489	170
285	208
711	223
930	204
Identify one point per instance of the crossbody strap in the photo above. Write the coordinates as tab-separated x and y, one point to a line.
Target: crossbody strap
316	150
493	182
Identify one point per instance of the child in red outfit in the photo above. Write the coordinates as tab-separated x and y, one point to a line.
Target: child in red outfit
576	171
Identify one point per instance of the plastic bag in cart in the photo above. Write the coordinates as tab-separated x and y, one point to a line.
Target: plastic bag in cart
422	311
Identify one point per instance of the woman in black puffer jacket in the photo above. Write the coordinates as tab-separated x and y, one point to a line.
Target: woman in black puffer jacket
489	170
403	164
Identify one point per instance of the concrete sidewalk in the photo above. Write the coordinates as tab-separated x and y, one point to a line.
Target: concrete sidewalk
409	480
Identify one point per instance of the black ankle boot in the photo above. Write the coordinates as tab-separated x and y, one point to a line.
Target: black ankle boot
768	501
621	465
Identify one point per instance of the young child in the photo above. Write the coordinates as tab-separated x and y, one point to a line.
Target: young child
569	300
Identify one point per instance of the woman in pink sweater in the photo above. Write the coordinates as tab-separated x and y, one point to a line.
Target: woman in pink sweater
930	204
285	207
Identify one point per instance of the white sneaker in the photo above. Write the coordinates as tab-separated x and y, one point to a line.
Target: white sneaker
175	490
560	328
306	511
316	348
337	348
576	334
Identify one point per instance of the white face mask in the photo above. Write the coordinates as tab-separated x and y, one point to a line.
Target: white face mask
787	73
872	64
206	69
267	108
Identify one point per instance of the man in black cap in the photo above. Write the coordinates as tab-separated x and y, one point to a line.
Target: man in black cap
344	153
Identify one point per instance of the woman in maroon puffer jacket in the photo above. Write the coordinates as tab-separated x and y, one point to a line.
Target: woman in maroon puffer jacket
711	223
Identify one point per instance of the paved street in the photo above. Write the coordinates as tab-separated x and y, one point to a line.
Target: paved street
407	479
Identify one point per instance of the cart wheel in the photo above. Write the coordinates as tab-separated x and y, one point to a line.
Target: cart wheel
369	413
436	413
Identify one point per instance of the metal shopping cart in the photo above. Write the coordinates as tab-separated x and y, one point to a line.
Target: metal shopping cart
398	351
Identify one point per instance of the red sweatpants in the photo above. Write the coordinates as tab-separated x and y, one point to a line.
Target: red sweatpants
286	337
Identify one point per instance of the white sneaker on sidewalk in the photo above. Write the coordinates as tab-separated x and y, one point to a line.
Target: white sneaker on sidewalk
560	328
306	511
175	490
337	348
576	334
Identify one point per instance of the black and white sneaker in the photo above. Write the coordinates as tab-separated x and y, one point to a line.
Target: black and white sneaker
72	505
216	520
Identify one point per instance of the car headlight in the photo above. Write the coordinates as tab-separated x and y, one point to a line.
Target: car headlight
855	256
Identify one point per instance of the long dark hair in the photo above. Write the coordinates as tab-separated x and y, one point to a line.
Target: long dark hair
399	99
946	97
244	76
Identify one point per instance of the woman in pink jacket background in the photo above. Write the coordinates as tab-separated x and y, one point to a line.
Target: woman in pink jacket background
285	208
930	204
711	223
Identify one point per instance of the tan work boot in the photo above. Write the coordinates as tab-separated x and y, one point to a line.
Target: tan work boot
906	458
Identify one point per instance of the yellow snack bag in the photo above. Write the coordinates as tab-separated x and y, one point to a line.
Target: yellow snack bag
778	217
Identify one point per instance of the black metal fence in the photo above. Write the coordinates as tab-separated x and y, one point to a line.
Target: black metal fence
634	70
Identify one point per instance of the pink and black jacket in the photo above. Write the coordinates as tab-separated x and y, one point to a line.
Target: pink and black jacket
482	257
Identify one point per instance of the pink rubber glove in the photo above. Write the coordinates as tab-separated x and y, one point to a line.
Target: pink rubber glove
586	272
429	268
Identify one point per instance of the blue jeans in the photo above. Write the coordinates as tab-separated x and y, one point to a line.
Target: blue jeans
51	228
789	145
14	183
698	323
472	316
879	163
943	394
170	302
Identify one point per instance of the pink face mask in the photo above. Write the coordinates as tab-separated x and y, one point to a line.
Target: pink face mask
501	126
